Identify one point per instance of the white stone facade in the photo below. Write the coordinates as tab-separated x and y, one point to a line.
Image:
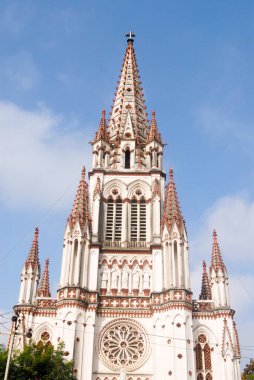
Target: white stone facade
124	307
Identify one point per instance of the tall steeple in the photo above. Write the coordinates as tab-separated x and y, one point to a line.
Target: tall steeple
80	210
44	288
129	99
205	287
172	211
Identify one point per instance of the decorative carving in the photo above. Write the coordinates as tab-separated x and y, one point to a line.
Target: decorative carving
125	277
104	278
114	277
146	277
135	277
123	345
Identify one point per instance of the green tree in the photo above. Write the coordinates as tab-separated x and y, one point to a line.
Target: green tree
38	362
248	373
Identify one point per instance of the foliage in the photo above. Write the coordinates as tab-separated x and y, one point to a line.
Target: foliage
248	373
38	362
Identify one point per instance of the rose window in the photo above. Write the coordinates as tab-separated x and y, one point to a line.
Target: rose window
124	344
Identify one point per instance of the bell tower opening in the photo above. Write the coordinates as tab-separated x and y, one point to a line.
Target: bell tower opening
127	159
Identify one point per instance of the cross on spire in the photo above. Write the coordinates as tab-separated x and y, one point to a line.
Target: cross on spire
130	36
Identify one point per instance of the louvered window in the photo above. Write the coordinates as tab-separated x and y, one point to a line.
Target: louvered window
114	220
118	220
134	220
142	220
110	219
138	220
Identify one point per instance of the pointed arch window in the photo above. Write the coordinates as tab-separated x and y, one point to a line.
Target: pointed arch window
127	158
203	358
138	220
114	219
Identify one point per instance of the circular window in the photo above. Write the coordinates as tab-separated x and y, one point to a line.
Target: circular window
124	344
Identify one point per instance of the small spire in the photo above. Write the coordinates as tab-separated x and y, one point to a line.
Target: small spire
80	210
153	134
33	257
206	293
172	211
217	261
44	289
102	133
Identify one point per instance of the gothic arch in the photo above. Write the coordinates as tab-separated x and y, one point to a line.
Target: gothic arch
115	184
44	327
139	184
201	329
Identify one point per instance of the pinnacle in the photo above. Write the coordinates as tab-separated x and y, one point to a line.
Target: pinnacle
33	257
172	210
153	133
80	210
217	261
205	288
44	289
102	133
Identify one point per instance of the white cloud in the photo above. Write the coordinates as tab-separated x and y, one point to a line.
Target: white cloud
19	71
41	156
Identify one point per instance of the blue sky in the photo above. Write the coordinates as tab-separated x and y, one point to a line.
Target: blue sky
59	64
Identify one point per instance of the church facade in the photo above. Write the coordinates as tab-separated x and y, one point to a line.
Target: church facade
124	306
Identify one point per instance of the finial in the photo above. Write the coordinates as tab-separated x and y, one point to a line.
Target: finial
171	174
153	115
214	235
103	114
83	173
130	37
36	233
204	266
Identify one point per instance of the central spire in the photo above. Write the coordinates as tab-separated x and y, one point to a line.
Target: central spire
129	101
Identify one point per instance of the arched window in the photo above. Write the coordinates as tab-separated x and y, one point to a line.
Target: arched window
203	358
138	220
127	158
114	220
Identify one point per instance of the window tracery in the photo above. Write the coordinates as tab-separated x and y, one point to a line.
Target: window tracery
123	344
203	358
